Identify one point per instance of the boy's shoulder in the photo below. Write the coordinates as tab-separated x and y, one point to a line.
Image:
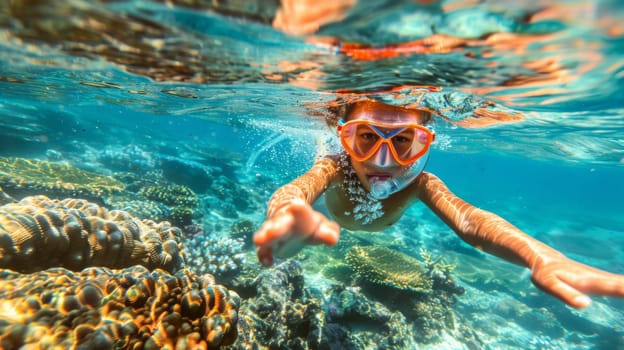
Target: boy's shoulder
328	161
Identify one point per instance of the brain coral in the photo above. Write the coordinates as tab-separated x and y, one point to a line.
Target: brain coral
37	233
100	308
387	267
27	176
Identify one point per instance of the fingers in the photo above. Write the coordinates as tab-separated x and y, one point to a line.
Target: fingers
265	255
594	281
328	233
273	229
286	233
314	226
563	291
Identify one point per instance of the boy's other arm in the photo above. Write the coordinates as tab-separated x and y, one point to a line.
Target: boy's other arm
291	221
551	271
307	187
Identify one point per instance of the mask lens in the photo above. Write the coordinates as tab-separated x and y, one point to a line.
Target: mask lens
409	144
360	139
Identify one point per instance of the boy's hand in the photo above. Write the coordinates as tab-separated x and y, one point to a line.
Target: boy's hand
290	229
571	281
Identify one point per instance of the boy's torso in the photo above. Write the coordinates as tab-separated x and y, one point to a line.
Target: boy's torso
342	207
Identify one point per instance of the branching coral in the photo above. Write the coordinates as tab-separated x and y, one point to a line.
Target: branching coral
435	264
219	256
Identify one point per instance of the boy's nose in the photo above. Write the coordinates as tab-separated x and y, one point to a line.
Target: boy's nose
383	158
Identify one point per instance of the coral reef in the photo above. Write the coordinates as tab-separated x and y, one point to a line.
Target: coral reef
243	230
278	315
37	233
387	267
423	292
232	193
440	273
136	181
171	194
141	208
22	177
219	256
281	312
100	308
365	322
181	199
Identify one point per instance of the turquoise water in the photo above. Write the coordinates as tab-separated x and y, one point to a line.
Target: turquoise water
217	100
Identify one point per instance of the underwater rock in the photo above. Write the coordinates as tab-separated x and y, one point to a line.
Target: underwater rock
100	308
22	177
366	321
279	316
186	172
38	233
387	267
232	196
130	158
538	321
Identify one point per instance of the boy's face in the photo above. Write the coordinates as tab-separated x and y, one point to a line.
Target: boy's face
381	164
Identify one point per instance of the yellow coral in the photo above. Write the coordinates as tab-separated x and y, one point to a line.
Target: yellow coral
20	175
387	267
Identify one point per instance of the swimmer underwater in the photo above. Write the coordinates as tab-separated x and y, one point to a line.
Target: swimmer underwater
386	148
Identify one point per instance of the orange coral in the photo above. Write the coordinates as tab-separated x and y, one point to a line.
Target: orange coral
122	309
37	233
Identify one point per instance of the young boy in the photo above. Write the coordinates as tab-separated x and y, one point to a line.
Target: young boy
380	176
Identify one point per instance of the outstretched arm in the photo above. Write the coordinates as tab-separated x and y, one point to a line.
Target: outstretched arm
551	271
291	221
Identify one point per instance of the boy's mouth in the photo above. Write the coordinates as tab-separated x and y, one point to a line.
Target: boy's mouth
378	176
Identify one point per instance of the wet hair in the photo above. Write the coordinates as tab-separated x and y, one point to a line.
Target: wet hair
340	109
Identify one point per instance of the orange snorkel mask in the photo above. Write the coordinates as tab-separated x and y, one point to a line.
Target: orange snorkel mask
406	141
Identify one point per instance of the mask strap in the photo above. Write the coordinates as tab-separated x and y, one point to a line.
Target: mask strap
433	133
340	124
